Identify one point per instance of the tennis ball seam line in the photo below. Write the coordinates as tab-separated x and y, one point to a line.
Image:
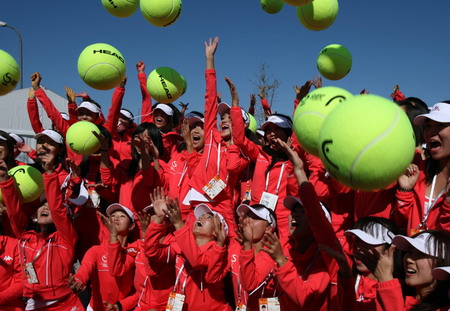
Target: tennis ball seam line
88	69
337	54
372	143
8	64
86	142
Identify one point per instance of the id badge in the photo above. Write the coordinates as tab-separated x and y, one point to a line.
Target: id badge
30	273
214	187
414	231
241	307
175	302
269	304
247	195
269	200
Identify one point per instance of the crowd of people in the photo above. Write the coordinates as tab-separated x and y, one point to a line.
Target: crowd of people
195	211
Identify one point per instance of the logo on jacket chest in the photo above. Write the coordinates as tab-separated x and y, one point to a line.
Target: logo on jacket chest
104	263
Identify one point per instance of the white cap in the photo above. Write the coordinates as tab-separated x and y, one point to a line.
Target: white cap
290	201
224	107
259	210
424	242
127	114
260	132
89	106
440	112
165	108
65	116
279	121
203	209
441	273
17	138
55	136
374	234
119	207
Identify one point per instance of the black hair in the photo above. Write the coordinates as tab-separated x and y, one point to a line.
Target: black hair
155	134
10	143
438	297
417	102
432	166
413	110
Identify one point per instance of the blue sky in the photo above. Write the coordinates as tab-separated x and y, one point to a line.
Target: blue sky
403	42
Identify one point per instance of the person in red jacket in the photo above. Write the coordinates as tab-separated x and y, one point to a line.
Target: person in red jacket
10	275
370	238
423	252
97	265
199	281
46	254
7	149
421	201
442	275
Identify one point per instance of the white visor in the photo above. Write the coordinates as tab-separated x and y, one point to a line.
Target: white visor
263	213
89	106
165	108
55	136
203	209
439	113
119	207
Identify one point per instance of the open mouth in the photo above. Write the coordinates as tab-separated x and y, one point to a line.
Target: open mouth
199	223
159	120
410	271
225	127
433	145
196	138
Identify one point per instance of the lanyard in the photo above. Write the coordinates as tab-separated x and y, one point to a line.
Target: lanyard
265	282
431	203
279	179
35	257
183	173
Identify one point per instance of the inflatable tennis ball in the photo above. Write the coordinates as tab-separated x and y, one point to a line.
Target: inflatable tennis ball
272	6
312	112
80	139
9	73
29	183
253	126
334	62
367	142
165	85
318	15
101	66
121	8
161	13
297	2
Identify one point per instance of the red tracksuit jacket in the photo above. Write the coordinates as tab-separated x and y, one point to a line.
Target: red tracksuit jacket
390	297
208	167
10	275
52	255
106	285
196	266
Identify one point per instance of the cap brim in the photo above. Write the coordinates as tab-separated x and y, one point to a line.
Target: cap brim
404	243
201	210
289	202
440	118
363	236
441	273
222	108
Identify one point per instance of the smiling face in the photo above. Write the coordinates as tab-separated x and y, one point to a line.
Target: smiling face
418	269
299	226
86	115
225	125
162	120
197	136
437	138
46	145
204	226
43	215
272	132
123	124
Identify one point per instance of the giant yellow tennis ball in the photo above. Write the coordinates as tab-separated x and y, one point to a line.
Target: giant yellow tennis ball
297	2
367	142
253	126
272	6
165	85
101	66
9	73
334	62
80	139
312	112
121	8
161	13
29	183
319	14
